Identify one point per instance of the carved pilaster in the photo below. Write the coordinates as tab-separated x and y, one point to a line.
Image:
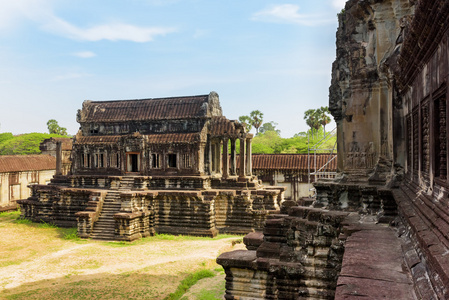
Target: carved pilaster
425	135
415	141
442	155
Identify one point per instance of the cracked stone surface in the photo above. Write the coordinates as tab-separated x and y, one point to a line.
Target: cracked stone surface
373	266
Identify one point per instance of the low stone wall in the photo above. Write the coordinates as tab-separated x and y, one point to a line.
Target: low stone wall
298	255
57	205
360	198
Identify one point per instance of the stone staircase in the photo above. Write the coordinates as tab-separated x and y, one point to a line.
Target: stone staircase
104	228
126	184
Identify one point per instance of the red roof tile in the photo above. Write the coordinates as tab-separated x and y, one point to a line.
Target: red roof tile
291	162
18	163
220	126
144	109
185	138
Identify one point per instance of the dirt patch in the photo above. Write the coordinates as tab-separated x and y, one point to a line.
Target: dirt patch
36	263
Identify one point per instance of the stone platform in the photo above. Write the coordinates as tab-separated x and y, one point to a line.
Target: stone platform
373	265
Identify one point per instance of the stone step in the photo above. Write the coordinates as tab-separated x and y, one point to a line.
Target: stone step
104	238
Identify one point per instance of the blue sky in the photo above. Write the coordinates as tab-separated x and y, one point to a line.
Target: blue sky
273	56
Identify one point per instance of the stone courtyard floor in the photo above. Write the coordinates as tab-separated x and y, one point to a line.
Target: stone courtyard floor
373	266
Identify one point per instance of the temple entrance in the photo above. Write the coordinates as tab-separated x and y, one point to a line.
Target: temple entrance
132	162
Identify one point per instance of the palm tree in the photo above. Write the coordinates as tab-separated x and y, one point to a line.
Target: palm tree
256	119
312	119
324	119
246	121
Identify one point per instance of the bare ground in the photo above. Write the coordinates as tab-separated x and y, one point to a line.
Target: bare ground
38	263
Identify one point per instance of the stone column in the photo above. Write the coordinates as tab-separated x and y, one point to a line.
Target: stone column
58	158
219	157
209	158
225	158
249	170
242	171
233	156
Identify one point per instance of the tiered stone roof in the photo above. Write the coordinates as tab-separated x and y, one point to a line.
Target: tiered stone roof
21	163
144	109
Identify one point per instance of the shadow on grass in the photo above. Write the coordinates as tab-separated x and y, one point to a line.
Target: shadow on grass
130	285
71	233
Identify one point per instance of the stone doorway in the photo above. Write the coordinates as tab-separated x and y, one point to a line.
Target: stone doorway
133	162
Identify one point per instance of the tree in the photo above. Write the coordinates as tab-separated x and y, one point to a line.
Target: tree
246	121
323	117
312	117
54	128
269	126
23	144
256	119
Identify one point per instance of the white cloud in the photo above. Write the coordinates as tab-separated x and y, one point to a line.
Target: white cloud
84	54
339	4
13	11
40	11
111	32
288	13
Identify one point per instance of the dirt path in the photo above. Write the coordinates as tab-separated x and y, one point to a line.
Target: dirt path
34	259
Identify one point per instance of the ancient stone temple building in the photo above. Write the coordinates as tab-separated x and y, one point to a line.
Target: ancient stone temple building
164	165
380	229
59	146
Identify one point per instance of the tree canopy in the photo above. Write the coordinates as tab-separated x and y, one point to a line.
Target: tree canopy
269	126
54	128
23	144
270	142
246	121
315	118
255	119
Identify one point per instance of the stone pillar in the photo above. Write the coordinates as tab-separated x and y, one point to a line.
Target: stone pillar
219	156
58	158
233	157
249	170
242	171
225	158
209	158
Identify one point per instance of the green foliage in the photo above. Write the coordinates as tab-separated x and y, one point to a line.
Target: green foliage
9	215
269	126
24	144
208	295
5	136
271	143
70	234
23	221
54	128
255	119
189	281
268	143
47	225
245	120
315	118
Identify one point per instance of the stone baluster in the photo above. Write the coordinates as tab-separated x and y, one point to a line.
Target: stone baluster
242	170
248	157
225	158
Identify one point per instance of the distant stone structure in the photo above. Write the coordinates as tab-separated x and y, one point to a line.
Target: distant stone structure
292	171
389	99
19	171
156	165
59	146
